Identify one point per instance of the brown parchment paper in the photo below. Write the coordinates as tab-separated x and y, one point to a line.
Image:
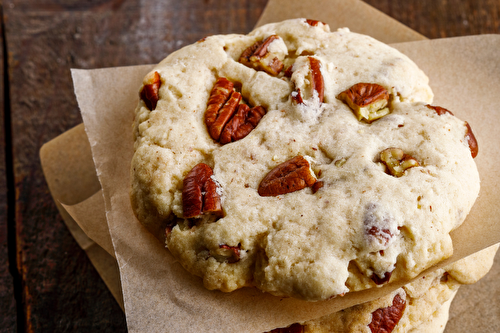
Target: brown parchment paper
159	295
70	173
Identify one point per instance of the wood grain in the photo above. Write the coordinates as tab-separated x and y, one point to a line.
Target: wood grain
444	18
61	291
8	317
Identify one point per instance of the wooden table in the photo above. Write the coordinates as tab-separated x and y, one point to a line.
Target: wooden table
47	283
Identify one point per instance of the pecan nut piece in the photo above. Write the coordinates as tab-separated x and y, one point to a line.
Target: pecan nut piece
227	120
259	56
290	176
316	83
385	319
381	280
242	123
471	140
368	101
149	92
384	236
314	23
377	223
221	106
439	110
469	136
316	186
200	193
226	253
397	161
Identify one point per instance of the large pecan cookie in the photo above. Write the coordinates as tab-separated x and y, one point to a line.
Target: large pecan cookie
304	162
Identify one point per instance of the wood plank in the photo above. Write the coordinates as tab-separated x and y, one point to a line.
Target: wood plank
444	18
8	317
61	290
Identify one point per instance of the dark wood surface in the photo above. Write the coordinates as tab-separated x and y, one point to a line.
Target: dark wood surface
47	283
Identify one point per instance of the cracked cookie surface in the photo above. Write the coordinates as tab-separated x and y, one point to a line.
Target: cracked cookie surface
358	225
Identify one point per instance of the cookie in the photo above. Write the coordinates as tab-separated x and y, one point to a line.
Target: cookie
420	306
303	162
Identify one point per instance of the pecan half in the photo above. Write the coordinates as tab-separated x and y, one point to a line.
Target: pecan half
149	92
294	328
397	161
259	57
385	319
221	106
316	83
290	176
242	123
469	136
227	120
199	194
226	253
368	101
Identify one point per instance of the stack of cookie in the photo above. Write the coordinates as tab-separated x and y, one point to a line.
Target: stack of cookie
308	164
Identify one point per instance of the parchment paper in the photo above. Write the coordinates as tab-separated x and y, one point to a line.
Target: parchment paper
158	293
70	173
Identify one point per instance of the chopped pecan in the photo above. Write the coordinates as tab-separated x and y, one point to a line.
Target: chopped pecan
226	253
316	82
381	280
242	123
379	226
383	235
227	120
439	110
288	72
169	226
469	136
471	140
445	277
316	186
385	319
368	101
199	194
314	23
294	328
397	161
290	176
258	56
149	92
